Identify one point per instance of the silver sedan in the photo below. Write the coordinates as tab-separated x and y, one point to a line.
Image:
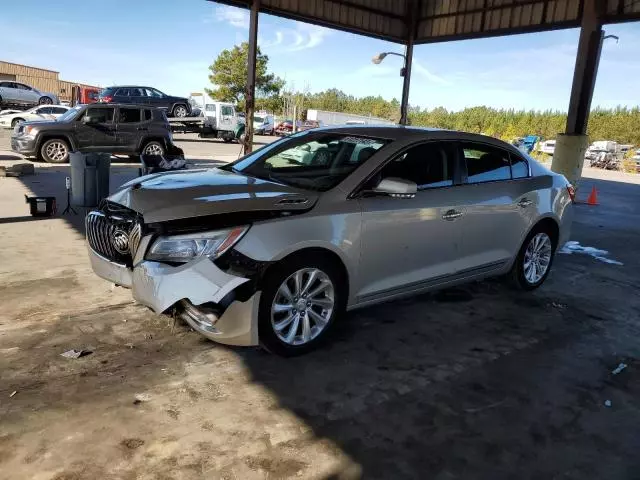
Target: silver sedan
273	249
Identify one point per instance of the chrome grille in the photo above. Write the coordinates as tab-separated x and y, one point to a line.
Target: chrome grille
105	235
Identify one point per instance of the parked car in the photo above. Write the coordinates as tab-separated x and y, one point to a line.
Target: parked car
174	106
14	93
309	124
273	248
286	127
43	112
263	125
114	128
548	147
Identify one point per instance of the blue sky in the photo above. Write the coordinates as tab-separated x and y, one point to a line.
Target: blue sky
145	42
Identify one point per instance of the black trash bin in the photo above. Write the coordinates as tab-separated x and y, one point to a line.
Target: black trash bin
89	178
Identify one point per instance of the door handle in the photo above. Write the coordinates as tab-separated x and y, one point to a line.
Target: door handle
451	215
525	202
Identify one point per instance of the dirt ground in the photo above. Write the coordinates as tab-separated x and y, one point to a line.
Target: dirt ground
478	382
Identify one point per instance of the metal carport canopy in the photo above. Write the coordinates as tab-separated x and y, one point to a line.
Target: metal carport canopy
442	20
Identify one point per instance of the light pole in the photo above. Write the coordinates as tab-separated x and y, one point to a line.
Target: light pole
405	73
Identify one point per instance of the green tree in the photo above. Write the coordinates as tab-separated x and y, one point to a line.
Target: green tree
229	76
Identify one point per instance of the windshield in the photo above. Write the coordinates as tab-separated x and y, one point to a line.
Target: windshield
69	114
310	160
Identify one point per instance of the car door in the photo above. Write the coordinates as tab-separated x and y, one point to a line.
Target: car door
95	129
410	243
226	119
155	98
137	96
500	202
10	92
27	94
129	127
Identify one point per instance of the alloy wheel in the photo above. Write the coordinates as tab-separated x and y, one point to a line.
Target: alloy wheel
153	149
180	111
56	151
537	258
302	306
46	101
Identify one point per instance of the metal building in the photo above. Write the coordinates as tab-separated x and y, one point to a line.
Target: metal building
39	78
413	22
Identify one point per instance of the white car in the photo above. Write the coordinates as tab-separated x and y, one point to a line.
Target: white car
548	147
42	112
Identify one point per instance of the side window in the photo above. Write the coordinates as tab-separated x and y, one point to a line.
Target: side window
22	87
58	110
122	92
129	115
147	115
519	167
99	115
429	165
44	110
135	92
485	163
226	110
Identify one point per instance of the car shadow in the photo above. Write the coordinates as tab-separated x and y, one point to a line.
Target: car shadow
4	156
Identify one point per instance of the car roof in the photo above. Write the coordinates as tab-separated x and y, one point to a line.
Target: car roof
399	132
127	105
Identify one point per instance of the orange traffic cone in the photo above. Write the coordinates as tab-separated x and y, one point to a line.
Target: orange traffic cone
593	197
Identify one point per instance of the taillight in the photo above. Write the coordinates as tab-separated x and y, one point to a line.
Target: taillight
572	192
106	99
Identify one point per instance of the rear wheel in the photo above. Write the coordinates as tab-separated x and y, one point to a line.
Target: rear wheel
55	150
45	101
299	304
533	263
153	148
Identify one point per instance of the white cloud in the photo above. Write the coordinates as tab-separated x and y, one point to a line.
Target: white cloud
303	37
236	17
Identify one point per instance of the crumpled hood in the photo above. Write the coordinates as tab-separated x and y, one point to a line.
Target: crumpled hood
196	193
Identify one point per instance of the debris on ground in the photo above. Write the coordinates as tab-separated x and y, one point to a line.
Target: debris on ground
141	397
73	353
619	368
607	403
559	306
13	393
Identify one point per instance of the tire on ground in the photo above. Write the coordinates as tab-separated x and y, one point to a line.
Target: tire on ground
272	281
50	154
516	275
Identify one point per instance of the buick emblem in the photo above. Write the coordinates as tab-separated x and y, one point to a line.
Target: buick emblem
120	241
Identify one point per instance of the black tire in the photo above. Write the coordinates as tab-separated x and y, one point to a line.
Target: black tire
153	147
227	139
275	277
517	275
45	101
180	111
15	122
55	150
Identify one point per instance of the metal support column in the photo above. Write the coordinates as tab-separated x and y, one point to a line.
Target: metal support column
411	22
571	146
251	76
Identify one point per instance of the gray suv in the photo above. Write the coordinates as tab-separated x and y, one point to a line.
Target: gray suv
113	128
273	248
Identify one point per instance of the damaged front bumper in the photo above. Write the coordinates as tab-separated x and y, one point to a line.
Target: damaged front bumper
198	289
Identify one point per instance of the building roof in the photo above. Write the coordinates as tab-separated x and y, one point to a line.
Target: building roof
441	20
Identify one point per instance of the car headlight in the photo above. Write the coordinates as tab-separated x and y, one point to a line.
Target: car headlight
30	130
183	248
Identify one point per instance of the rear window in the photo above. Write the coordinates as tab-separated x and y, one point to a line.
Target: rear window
129	115
106	91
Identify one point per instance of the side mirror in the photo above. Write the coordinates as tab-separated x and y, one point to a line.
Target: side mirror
397	187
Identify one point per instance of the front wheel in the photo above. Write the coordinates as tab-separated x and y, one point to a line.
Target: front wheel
45	101
153	148
16	121
533	263
180	111
55	150
299	304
